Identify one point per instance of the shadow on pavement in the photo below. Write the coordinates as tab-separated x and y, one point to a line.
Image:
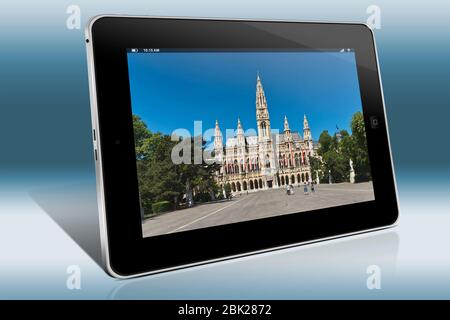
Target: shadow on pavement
74	209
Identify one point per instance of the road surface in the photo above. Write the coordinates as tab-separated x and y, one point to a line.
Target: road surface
262	204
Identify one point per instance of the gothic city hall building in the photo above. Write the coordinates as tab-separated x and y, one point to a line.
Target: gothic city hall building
267	160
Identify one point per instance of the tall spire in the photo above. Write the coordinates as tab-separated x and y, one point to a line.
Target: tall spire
239	127
217	130
262	112
261	102
218	144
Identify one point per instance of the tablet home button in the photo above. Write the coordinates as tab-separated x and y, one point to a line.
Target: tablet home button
374	122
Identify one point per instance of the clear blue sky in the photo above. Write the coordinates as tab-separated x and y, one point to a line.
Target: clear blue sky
172	90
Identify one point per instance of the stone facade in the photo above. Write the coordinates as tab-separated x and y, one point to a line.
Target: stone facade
250	163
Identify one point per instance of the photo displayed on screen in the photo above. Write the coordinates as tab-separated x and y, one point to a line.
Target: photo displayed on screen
230	136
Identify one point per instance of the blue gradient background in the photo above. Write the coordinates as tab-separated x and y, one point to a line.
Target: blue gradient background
45	139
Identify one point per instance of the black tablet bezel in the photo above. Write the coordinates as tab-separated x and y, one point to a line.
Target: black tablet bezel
128	253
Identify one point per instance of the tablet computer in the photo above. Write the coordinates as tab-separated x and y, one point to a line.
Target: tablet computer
215	139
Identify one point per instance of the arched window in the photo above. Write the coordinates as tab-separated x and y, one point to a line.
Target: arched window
238	185
244	184
292	179
260	184
251	184
298	178
256	184
286	179
303	177
233	187
263	128
236	167
282	180
307	176
297	160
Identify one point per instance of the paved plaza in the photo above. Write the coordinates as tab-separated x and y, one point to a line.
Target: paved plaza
262	204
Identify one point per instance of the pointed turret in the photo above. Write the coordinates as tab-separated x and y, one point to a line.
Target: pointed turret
287	130
306	130
240	133
286	125
305	122
307	137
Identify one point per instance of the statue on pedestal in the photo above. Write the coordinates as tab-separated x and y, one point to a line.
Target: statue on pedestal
352	172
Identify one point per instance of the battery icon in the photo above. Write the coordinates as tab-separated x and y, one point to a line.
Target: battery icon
134	50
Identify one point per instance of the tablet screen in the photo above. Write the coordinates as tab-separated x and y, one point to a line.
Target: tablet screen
226	136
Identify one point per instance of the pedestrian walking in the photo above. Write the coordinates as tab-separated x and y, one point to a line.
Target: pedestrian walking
305	188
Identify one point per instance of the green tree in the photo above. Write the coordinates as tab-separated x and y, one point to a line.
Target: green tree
335	153
198	177
325	143
336	165
158	181
162	180
157	177
227	188
316	167
346	146
359	152
141	133
333	161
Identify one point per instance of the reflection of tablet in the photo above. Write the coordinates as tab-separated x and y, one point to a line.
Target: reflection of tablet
341	266
220	138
